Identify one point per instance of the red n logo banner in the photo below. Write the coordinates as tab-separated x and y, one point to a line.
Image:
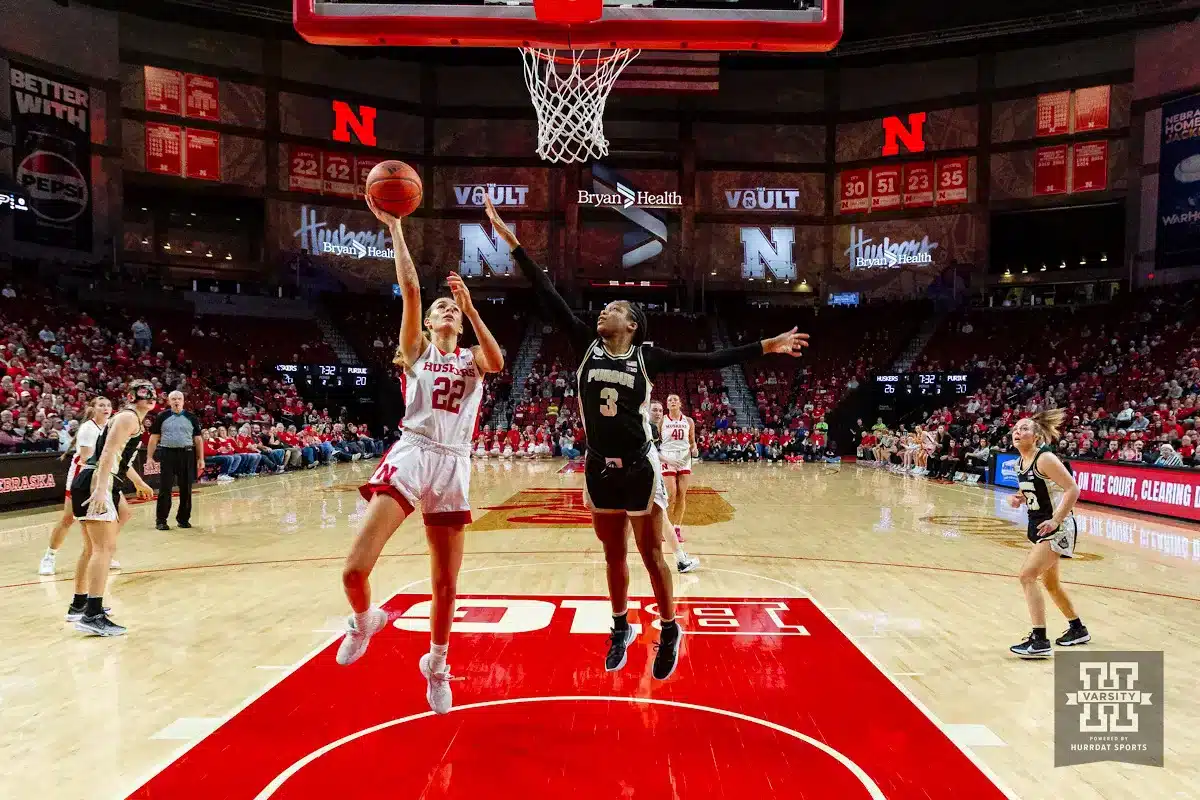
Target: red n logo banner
345	121
895	132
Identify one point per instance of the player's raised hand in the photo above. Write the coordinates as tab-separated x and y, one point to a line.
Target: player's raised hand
387	219
460	292
790	343
502	230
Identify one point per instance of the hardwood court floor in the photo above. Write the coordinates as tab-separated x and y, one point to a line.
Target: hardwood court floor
920	576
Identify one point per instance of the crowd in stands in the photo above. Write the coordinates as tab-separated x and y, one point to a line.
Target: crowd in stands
1127	375
56	354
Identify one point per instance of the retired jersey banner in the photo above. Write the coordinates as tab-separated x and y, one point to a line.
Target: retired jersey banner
1050	170
1179	182
339	177
52	157
164	149
918	184
1089	166
203	155
304	169
885	188
363	167
952	180
855	192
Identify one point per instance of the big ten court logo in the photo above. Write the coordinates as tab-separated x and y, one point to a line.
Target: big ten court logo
514	615
564	508
769	692
1108	707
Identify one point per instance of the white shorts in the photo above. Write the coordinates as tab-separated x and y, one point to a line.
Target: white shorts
413	472
673	464
72	471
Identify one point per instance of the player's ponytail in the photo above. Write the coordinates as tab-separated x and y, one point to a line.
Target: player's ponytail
1048	424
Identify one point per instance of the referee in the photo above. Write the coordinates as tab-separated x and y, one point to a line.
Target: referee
175	438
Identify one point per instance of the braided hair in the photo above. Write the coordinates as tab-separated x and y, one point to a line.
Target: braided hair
637	313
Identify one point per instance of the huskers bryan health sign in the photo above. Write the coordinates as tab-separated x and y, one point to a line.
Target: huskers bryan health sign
52	158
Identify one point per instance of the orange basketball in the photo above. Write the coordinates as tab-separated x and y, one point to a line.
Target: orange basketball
395	187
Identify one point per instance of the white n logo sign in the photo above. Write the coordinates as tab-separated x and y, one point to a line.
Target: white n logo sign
775	255
480	248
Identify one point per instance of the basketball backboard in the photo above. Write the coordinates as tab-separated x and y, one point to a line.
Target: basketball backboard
716	25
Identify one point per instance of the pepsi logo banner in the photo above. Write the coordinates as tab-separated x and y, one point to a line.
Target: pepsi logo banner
1173	492
52	158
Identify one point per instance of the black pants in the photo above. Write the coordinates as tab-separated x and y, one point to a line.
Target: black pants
178	465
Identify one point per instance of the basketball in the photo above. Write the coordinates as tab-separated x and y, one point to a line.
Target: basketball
395	187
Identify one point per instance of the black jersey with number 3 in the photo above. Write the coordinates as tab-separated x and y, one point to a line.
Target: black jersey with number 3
614	401
127	453
1036	488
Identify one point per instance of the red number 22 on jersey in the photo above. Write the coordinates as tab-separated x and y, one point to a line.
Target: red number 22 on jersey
448	394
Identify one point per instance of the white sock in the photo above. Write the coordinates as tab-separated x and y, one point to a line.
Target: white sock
51	552
361	620
681	555
437	656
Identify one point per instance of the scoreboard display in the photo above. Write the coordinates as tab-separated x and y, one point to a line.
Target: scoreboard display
950	385
326	376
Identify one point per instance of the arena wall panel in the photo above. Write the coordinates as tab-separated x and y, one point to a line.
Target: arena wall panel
485	137
780	144
1015	120
174	41
296	226
1165	60
312	117
718	248
519	188
1012	174
959	240
363	74
75	37
944	129
502	86
751	192
893	84
1064	61
791	91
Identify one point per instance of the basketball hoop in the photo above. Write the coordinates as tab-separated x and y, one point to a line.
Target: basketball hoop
569	93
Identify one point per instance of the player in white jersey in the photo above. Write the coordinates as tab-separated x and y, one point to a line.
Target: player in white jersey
683	561
678	448
429	466
98	412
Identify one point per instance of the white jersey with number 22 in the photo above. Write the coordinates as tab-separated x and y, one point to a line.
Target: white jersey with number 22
442	392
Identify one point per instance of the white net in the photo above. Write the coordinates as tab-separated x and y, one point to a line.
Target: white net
569	93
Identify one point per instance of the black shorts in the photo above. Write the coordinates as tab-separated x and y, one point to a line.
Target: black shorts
1062	541
634	486
81	490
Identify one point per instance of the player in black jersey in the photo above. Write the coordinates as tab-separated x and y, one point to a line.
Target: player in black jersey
622	474
99	504
1051	529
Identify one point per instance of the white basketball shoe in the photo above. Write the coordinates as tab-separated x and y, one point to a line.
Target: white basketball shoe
355	642
438	691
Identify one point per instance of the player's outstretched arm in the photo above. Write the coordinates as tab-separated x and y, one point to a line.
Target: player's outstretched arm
579	332
487	353
412	337
659	360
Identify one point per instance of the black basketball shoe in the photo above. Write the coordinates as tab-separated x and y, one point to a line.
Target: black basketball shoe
1074	636
1033	647
667	657
618	648
99	625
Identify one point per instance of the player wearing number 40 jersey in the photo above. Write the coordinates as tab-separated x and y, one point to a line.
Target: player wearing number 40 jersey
430	466
622	474
1041	476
